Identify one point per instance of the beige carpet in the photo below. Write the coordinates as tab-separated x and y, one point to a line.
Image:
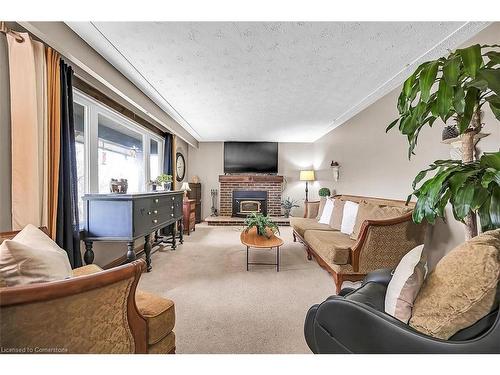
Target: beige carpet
222	308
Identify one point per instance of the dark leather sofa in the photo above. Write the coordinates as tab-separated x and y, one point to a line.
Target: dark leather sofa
355	322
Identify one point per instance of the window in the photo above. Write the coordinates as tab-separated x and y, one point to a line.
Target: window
109	145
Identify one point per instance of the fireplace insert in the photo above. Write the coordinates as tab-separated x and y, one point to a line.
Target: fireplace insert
246	202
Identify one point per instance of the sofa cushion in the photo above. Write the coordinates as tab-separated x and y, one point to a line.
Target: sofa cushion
461	289
89	269
333	246
338	212
32	257
159	313
165	346
371	211
301	224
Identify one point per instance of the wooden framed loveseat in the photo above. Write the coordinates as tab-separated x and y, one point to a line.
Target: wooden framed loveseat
381	240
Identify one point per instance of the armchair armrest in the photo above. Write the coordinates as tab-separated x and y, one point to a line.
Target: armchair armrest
382	276
382	243
311	209
95	313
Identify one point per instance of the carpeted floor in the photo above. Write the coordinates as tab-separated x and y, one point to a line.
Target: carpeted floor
222	308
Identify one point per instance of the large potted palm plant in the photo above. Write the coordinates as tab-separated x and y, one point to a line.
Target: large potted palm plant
455	87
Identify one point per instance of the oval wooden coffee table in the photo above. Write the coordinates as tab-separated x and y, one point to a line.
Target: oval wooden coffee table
252	239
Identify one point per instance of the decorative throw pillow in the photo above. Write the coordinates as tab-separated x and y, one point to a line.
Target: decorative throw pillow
327	212
349	217
322	202
405	284
461	289
32	257
371	211
338	211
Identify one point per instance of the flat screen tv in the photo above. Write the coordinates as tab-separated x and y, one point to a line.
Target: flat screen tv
250	157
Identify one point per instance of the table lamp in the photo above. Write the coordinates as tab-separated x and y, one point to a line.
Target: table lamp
307	176
186	188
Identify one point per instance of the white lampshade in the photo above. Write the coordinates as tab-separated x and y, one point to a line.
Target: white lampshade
185	186
307	176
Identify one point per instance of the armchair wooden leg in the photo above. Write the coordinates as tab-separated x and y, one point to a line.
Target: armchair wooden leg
339	279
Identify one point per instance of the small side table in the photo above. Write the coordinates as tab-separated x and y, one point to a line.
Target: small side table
252	239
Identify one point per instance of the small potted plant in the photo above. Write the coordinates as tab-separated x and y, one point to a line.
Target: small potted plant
262	224
287	205
165	180
324	192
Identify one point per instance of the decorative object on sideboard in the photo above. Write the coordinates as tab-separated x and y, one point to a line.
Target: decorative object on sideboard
324	192
307	176
195	179
153	184
165	180
180	167
118	185
335	169
214	193
185	188
287	205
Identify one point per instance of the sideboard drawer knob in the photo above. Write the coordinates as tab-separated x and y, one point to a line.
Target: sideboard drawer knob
172	215
155	211
172	207
173	198
155	221
156	200
149	212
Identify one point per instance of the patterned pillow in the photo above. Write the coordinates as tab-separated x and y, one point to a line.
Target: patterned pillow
405	284
461	289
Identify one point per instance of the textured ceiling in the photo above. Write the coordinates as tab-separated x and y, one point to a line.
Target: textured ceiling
284	82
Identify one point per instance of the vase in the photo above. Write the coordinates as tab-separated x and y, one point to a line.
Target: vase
286	213
167	186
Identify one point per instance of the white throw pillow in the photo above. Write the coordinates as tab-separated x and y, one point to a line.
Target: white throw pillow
327	212
32	257
349	217
405	284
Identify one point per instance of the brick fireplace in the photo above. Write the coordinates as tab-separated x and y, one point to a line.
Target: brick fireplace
258	183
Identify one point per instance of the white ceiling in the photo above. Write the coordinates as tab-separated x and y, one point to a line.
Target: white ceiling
286	82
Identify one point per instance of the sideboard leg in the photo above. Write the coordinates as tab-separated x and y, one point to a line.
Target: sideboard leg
130	251
174	234
147	251
181	235
88	256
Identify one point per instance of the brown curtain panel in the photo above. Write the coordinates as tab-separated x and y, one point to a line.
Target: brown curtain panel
54	135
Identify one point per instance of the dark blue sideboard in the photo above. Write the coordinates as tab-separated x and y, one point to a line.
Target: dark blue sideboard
127	217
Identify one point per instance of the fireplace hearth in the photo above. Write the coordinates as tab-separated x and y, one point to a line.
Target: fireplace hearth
246	202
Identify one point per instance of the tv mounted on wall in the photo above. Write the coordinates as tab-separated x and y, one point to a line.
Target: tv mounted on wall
250	157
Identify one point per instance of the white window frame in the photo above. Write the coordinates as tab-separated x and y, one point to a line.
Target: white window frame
92	110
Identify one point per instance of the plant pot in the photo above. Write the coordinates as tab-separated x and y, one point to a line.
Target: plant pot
167	186
153	187
286	213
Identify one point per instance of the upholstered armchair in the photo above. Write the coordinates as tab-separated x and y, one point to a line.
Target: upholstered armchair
95	311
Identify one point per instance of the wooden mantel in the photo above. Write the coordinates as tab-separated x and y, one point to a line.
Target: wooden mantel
246	178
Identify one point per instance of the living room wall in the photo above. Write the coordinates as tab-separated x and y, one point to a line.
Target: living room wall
372	162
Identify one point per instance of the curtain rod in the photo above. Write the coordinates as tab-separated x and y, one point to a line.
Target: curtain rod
4	29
